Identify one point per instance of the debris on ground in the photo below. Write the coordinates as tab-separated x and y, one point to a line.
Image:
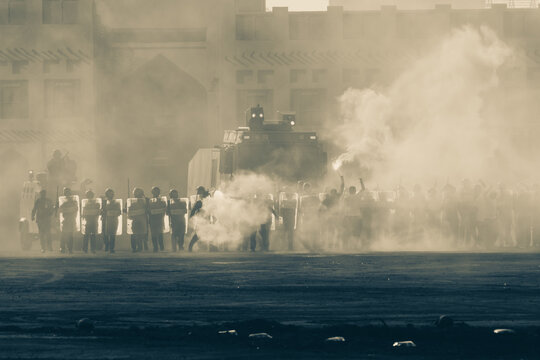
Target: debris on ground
85	324
404	344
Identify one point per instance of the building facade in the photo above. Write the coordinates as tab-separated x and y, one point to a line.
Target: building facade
46	89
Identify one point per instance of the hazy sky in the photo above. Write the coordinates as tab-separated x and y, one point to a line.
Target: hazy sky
299	5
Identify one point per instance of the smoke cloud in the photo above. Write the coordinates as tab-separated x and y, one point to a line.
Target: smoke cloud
432	121
235	211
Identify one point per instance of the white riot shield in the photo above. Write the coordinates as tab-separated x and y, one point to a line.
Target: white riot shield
158	206
113	216
188	208
180	207
289	201
308	206
136	211
68	208
270	204
91	215
30	193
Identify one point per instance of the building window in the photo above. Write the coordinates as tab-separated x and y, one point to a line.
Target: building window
60	11
254	27
244	76
298	75
246	99
310	106
18	67
4	13
318	75
17	12
265	76
62	98
71	65
307	27
14	99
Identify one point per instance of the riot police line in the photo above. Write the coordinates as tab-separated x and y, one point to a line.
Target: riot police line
471	217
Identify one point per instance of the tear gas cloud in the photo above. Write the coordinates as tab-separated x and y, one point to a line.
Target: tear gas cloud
433	121
235	211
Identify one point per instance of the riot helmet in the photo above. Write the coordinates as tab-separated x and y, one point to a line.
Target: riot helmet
173	194
138	193
155	191
109	193
90	194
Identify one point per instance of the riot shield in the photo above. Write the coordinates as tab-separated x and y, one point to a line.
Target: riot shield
68	208
308	207
113	217
180	207
91	216
158	207
288	202
269	199
137	221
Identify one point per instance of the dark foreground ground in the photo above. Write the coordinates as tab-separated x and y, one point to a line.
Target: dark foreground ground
172	307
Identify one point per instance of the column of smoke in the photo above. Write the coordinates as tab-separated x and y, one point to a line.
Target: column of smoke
430	127
429	123
236	209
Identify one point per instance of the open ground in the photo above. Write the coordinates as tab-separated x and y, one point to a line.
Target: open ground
173	305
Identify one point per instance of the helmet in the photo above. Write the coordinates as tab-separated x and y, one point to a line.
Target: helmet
89	194
138	192
201	190
109	193
67	191
173	194
156	191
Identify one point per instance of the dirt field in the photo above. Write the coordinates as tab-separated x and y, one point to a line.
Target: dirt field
172	306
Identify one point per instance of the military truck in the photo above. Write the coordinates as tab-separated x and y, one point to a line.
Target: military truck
271	148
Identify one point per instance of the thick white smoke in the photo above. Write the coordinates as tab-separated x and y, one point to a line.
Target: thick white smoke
235	211
430	123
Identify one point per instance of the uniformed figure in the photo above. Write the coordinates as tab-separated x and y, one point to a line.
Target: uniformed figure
202	193
69	212
308	218
112	211
288	210
177	210
266	227
157	209
352	218
137	212
42	213
91	210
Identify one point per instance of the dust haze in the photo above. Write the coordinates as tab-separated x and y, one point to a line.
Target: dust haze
439	121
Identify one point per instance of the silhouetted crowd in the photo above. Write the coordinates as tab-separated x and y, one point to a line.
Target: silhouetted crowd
468	217
471	216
